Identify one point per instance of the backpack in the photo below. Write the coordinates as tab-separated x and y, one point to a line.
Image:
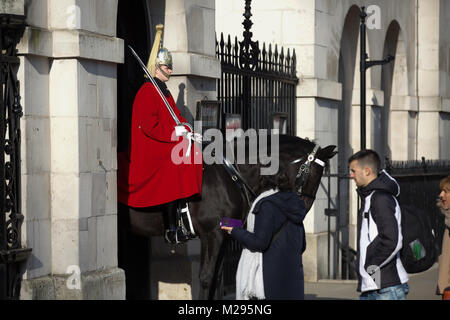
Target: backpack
420	250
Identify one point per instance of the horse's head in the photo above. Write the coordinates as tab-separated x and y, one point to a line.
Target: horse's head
309	172
308	184
294	154
306	164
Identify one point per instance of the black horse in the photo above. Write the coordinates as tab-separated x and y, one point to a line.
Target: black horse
222	197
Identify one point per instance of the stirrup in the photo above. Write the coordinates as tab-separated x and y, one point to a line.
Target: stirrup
175	236
170	237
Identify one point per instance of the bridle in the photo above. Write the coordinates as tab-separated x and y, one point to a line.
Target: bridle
300	179
303	170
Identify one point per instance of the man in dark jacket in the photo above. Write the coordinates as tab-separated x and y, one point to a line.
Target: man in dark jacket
381	275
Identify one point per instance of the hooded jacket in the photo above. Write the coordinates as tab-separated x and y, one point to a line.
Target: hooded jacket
380	239
280	214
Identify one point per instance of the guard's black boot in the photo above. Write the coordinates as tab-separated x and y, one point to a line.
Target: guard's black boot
170	223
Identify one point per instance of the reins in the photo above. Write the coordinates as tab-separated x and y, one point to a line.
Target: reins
302	174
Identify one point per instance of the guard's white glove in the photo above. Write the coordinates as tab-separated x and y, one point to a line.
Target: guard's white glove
192	136
197	137
180	131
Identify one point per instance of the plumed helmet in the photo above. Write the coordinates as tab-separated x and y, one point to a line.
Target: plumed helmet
164	58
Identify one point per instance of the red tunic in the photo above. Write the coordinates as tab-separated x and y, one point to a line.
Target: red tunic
155	169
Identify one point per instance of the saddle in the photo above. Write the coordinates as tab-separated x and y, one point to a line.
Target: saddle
183	216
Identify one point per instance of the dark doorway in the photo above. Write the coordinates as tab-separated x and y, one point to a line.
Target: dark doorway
133	251
132	26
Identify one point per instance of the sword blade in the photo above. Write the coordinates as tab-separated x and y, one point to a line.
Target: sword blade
140	62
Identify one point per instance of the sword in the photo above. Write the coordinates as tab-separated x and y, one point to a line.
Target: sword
169	108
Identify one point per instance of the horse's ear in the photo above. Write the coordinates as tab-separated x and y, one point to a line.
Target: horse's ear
328	152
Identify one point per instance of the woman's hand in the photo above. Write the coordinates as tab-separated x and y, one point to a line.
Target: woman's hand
227	229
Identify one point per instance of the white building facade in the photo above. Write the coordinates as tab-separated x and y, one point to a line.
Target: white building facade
69	83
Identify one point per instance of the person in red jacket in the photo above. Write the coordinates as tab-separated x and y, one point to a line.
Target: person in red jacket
160	166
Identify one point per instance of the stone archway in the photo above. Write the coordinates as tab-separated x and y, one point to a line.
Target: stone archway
398	111
347	67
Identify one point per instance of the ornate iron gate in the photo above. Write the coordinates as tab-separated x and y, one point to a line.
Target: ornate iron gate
260	87
12	255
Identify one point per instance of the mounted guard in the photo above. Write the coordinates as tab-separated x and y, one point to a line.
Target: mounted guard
156	170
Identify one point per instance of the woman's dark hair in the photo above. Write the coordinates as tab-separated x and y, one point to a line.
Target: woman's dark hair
280	180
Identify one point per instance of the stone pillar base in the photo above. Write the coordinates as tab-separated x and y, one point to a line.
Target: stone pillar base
175	270
96	285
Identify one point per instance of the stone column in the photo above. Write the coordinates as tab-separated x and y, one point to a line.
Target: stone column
69	60
190	36
402	136
434	106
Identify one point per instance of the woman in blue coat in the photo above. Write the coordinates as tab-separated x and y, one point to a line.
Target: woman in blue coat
279	235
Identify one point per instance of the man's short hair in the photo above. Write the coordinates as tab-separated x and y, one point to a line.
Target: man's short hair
367	158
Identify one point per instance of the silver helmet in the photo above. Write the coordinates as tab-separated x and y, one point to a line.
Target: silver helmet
164	58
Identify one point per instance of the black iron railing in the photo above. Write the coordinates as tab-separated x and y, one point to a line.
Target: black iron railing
12	255
260	87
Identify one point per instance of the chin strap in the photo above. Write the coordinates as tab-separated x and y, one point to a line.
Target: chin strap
163	72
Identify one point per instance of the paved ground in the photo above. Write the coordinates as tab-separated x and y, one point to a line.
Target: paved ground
422	287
